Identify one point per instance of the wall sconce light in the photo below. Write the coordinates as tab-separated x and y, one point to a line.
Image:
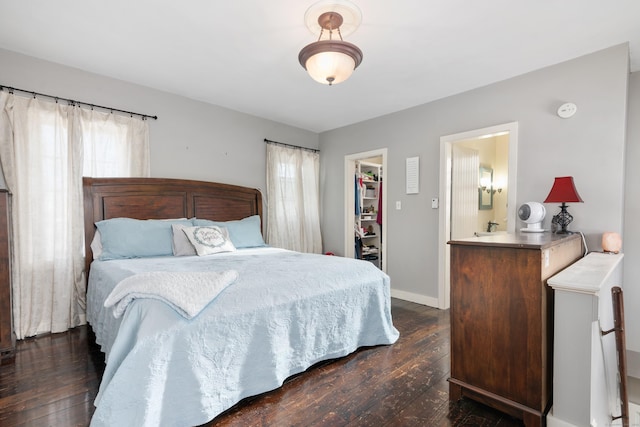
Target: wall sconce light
490	188
332	60
563	191
487	182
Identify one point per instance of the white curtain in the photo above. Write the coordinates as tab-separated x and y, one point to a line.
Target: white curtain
293	194
114	145
45	149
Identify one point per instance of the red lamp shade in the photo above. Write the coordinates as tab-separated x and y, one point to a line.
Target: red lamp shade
563	190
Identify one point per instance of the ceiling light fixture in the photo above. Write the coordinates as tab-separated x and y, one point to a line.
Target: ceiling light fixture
331	60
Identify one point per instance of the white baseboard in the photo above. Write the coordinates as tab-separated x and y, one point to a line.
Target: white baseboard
417	298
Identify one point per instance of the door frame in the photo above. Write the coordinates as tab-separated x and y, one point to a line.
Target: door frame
444	234
349	195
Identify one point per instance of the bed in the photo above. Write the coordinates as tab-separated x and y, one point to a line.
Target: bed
267	313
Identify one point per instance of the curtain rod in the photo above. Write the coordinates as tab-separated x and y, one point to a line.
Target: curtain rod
268	141
79	103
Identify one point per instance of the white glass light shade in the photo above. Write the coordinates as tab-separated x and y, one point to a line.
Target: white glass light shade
330	67
330	61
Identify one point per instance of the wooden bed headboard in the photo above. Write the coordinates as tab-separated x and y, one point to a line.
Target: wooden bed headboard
161	198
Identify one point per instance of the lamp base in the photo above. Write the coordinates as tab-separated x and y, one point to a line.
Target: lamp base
561	221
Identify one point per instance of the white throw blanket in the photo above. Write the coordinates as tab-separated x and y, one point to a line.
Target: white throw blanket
186	292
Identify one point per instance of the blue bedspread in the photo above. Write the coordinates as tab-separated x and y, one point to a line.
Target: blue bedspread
284	313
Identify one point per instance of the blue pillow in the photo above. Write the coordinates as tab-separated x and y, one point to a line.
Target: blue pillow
136	238
244	233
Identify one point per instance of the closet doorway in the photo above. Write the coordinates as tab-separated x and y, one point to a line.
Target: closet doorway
370	205
498	206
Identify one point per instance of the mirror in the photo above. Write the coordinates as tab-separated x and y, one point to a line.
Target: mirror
485	190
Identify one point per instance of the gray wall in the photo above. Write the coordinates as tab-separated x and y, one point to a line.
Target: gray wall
590	147
190	139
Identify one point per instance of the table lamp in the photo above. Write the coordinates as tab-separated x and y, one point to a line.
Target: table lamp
563	191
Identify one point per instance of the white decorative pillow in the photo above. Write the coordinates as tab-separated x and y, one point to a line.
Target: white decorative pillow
181	244
209	240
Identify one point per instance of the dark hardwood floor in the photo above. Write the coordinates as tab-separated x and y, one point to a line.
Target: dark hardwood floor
53	380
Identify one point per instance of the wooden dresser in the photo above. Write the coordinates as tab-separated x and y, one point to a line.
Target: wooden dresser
502	319
7	337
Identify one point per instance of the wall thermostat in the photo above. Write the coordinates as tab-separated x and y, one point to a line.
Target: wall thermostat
567	110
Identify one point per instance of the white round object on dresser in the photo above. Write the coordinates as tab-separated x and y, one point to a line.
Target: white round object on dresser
532	213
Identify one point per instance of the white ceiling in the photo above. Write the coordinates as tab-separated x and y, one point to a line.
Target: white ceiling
243	54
